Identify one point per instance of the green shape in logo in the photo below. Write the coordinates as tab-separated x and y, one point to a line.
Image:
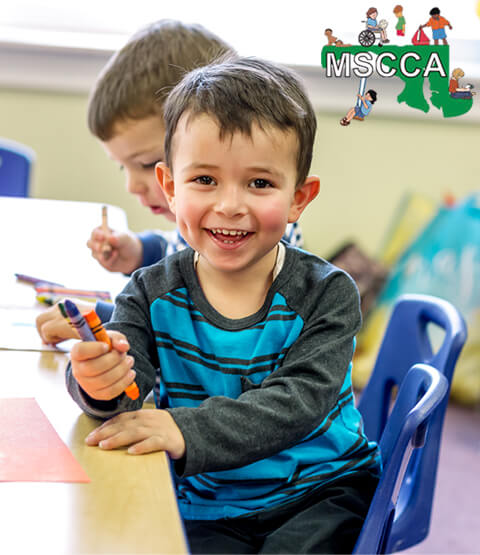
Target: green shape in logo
412	64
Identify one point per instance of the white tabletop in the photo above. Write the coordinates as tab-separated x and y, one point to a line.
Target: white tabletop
129	506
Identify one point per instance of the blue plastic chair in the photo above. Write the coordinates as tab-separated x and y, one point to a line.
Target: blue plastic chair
406	342
419	396
16	162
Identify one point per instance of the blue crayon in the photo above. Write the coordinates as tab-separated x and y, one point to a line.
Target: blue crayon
78	321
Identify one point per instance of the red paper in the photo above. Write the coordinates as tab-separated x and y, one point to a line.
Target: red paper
30	448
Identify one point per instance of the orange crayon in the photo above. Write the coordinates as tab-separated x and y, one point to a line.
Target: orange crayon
95	324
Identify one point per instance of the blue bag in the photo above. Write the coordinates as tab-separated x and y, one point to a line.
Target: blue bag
444	261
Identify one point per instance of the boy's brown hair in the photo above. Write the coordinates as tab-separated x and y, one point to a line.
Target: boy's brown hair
137	79
240	92
398	8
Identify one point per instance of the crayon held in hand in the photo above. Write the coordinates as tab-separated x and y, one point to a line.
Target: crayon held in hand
78	321
106	248
95	325
63	311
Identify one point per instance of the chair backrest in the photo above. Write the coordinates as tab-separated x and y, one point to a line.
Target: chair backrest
16	162
419	396
407	342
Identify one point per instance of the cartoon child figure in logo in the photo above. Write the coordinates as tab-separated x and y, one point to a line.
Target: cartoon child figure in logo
400	26
372	24
454	88
330	38
361	111
437	23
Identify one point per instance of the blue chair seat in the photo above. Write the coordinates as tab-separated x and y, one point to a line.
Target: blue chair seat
407	342
419	396
16	162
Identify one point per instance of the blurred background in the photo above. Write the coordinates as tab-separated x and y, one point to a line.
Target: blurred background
51	52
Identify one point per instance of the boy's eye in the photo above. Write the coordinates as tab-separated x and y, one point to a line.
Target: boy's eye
151	165
204	180
260	184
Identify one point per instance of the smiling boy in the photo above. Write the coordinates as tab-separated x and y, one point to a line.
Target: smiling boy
246	341
125	113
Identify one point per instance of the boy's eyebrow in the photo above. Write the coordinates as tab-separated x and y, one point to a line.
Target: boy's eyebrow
260	169
263	169
198	165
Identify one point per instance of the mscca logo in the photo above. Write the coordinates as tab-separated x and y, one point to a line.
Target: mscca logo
366	63
414	65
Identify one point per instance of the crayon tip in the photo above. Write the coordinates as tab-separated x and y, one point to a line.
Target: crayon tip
71	307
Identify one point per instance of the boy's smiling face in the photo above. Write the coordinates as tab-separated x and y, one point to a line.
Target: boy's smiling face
233	197
137	145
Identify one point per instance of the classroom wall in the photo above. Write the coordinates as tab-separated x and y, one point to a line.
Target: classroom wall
365	169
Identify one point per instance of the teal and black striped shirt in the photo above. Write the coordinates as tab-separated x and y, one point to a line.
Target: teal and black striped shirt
265	403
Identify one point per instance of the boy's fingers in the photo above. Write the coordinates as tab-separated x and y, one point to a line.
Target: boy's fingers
109	384
55	331
114	389
51	313
86	350
119	341
114	436
112	426
105	369
97	234
113	240
148	445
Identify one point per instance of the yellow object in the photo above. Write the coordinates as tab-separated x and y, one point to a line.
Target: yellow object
369	340
413	213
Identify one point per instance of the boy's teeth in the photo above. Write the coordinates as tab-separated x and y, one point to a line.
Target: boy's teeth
228	232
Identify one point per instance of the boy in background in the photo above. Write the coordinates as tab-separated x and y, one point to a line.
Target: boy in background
246	341
125	113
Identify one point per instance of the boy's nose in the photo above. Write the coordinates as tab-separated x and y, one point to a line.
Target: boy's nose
135	185
230	201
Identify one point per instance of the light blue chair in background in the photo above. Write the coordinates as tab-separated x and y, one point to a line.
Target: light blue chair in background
404	521
16	161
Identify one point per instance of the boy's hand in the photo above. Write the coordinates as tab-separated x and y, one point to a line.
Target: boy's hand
103	374
53	327
125	254
145	431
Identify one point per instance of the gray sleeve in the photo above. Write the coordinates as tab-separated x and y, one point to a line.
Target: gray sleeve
131	317
224	433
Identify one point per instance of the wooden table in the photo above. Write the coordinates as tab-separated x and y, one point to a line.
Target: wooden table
129	506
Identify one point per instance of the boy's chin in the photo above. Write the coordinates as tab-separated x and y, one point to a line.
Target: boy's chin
162	211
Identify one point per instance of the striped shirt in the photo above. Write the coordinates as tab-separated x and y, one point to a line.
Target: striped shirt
264	403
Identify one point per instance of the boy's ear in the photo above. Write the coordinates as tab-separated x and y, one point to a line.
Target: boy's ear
303	196
165	180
